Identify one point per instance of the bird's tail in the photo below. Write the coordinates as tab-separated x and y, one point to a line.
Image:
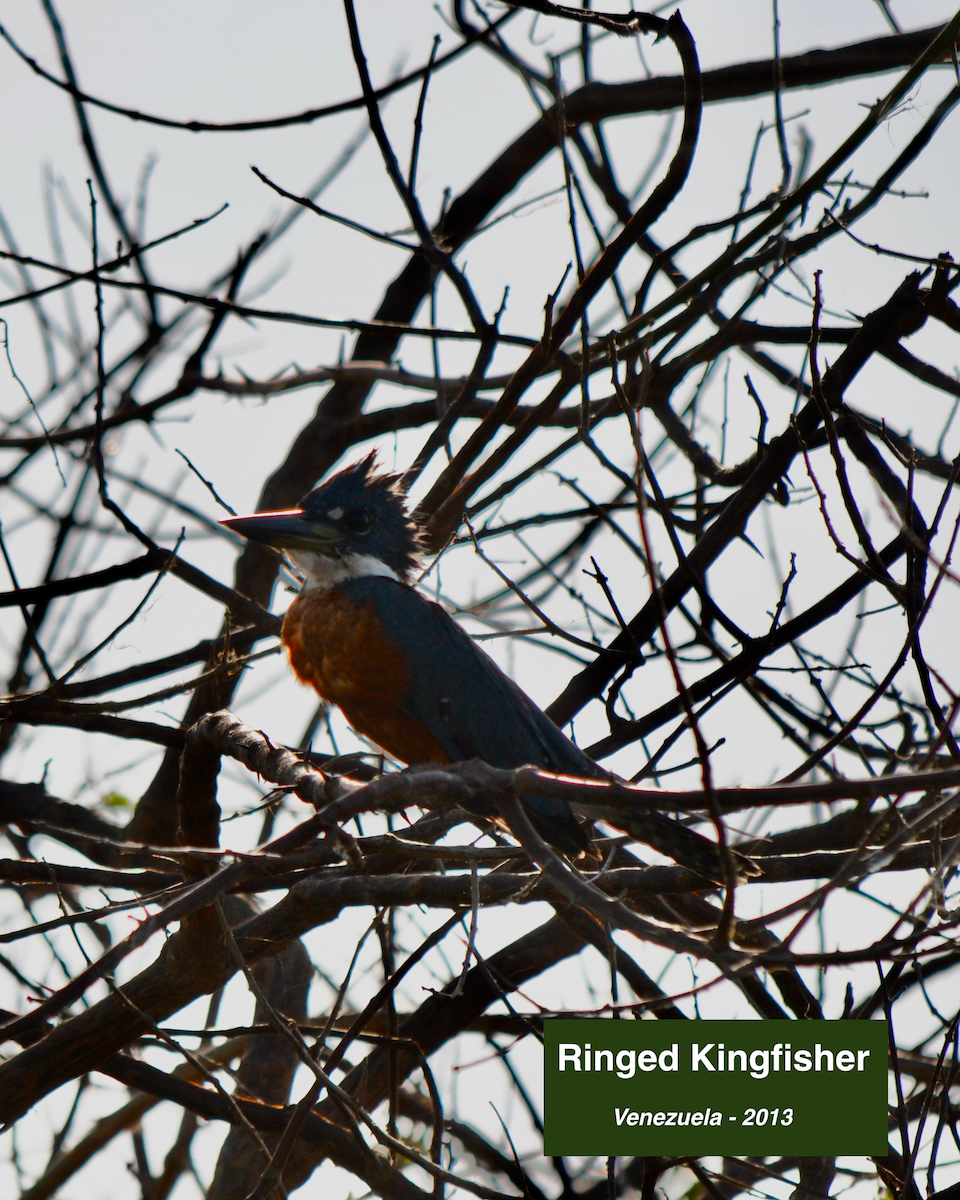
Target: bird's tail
556	824
683	845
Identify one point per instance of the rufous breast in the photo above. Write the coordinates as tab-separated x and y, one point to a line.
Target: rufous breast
342	650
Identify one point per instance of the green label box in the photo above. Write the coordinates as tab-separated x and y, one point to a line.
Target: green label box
715	1087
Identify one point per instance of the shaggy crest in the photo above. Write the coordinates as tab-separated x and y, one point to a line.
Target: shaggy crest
368	506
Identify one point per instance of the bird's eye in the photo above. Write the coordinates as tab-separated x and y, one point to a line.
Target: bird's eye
356	520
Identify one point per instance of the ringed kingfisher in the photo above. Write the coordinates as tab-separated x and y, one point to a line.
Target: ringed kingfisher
403	672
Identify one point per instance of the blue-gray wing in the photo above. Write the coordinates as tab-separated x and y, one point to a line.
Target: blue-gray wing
469	705
474	710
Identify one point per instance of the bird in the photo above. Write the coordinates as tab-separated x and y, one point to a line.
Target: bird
403	672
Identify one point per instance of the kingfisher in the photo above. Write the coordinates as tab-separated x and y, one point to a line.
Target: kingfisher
403	672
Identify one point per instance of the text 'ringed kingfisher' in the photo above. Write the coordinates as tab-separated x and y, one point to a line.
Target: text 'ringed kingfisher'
403	672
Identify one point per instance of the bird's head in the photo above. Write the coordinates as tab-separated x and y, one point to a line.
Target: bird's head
354	524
